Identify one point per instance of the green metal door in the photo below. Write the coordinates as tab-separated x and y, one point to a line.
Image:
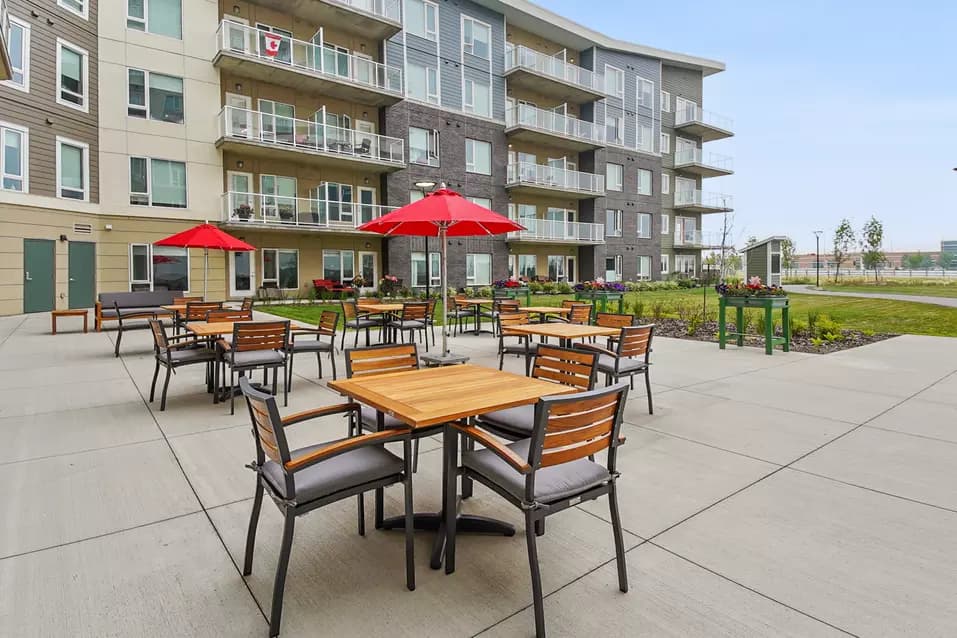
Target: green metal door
38	273
82	266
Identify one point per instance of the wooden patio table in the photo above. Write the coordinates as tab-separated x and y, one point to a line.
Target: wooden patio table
433	397
477	308
565	332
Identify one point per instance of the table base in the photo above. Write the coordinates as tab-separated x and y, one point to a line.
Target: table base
435	522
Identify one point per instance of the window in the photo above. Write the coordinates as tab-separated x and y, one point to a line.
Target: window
338	265
665	143
644	267
422	18
664	263
665	224
613	268
156	182
477	97
160	17
644	225
614	176
72	169
615	129
13	158
527	266
612	223
645	141
476	37
481	201
162	101
646	93
72	72
684	264
423	146
665	102
478	157
614	81
556	268
281	267
422	82
478	269
665	184
78	7
644	181
18	46
159	268
420	274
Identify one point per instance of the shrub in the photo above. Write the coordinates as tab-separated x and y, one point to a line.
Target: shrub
549	287
638	309
817	342
468	291
485	291
798	328
812	316
657	310
534	287
564	288
824	325
405	292
687	283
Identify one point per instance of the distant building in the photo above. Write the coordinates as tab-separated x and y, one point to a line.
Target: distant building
892	260
948	246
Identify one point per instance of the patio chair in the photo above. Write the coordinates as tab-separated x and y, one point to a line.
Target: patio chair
128	320
305	479
221	316
247	303
255	345
196	311
300	343
551	472
498	307
613	320
629	357
459	311
175	352
356	320
524	347
430	322
566	303
412	318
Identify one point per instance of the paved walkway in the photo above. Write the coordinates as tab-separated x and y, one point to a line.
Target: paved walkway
949	302
793	495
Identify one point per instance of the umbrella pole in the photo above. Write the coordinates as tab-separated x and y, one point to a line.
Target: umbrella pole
445	289
205	270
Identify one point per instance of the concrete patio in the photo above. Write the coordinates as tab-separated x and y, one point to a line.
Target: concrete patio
792	495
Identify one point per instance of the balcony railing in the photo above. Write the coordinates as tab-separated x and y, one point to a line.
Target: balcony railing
690	112
306	57
699	199
557	178
297	212
697	156
387	9
558	230
287	133
521	57
696	239
525	116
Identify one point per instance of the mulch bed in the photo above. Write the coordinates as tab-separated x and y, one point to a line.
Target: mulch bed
708	331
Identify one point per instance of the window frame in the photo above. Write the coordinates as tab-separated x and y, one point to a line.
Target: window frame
651	177
619	121
341	253
468	103
472	145
84	73
150	280
665	183
434	279
638	274
145	21
664	264
146	95
640	143
664	142
466	43
276	279
639	82
85	148
470	257
618	73
431	36
431	147
24	177
526	257
83	13
621	177
25	53
665	223
431	73
649	233
616	232
149	182
665	98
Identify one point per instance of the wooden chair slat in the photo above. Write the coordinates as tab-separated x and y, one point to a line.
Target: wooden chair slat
585	405
565	354
560	422
563	378
381	366
583	434
565	366
613	320
564	455
380	353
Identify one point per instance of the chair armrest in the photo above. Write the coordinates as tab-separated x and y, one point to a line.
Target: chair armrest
225	345
345	445
135	315
311	331
181	337
340	408
183	344
496	446
594	348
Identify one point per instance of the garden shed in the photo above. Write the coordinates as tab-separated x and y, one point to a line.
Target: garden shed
763	259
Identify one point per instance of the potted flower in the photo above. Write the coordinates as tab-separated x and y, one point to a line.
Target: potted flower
754	288
388	285
244	211
358	281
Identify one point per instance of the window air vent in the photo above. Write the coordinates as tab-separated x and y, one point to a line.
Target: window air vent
83	229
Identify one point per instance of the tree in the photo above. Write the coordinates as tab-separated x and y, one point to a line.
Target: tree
913	262
872	238
787	254
844	239
727	224
947	261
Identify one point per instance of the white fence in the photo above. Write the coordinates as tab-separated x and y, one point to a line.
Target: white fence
828	273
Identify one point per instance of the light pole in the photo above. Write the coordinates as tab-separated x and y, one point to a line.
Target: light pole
817	255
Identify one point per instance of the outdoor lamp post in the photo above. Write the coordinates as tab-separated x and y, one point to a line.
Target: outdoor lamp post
817	255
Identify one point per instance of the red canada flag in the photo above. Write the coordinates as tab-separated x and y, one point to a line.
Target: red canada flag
272	44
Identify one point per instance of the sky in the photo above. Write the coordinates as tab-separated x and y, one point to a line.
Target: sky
841	108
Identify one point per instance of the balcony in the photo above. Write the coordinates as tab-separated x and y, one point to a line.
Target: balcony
5	71
305	66
696	201
696	239
375	19
524	122
248	210
558	232
547	180
694	160
694	120
552	77
271	136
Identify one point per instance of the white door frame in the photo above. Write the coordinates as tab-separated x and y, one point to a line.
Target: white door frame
233	291
375	266
248	106
251	199
571	269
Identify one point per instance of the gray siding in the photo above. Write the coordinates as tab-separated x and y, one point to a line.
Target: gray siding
38	110
633	67
757	263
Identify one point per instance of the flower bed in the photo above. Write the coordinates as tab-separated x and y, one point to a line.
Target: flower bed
754	288
599	285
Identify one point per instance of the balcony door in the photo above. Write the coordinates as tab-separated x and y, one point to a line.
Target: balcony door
278	197
238	34
242	273
285	43
277	121
367	205
239	118
240	190
684	190
685	230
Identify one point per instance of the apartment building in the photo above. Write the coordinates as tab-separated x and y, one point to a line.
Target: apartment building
292	123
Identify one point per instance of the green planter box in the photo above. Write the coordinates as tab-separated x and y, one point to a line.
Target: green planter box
601	298
768	304
513	293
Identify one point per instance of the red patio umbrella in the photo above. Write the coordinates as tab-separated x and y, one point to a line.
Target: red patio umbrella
442	213
205	236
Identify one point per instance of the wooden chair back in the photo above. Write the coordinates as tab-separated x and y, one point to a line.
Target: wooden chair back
415	311
568	303
328	321
381	359
576	368
576	426
160	340
247	303
260	335
267	430
222	316
580	314
635	341
196	310
180	301
349	310
430	313
613	320
507	319
459	301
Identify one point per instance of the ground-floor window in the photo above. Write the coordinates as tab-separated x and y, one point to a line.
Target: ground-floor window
644	267
478	269
556	268
159	268
421	274
338	265
527	266
665	263
281	267
684	264
613	268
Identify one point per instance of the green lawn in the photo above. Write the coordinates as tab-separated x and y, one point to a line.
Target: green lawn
878	315
948	289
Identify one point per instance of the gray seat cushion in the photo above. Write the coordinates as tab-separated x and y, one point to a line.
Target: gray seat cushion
252	358
407	325
337	473
192	355
140	299
363	323
607	364
310	344
520	348
516	422
552	483
369	419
